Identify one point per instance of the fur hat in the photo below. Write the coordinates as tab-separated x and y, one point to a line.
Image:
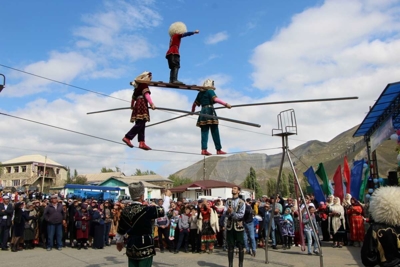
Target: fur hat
177	28
209	84
144	76
384	207
136	190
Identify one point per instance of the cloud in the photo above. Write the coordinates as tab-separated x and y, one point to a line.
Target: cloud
216	38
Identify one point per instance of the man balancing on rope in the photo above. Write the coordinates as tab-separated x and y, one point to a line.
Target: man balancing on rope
140	112
206	99
176	31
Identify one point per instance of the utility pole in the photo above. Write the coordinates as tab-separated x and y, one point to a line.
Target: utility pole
44	172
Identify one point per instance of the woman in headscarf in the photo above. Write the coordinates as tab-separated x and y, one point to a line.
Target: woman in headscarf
346	205
323	211
82	224
208	226
20	218
356	222
30	226
287	226
337	222
98	228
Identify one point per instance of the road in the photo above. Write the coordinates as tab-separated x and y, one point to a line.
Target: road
109	256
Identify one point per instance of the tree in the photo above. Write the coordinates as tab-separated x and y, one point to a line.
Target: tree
75	173
140	172
1	169
179	180
271	187
80	179
68	173
292	187
104	169
284	186
251	183
76	179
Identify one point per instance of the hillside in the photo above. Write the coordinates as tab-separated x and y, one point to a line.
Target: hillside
235	168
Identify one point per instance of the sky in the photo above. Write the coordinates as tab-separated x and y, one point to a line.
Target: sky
255	52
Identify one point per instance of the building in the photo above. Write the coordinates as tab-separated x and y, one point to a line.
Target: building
210	188
151	191
98	178
32	171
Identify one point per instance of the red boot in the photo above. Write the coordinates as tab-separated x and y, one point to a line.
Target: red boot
127	142
143	146
220	152
205	152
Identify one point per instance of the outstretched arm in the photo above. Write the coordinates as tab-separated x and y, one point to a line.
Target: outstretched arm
190	33
219	101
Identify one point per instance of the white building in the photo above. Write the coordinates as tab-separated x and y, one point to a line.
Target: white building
211	188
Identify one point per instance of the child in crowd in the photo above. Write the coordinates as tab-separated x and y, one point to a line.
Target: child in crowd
174	222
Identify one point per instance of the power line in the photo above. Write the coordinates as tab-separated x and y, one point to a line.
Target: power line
63	83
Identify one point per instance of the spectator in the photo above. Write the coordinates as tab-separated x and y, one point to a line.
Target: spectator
54	215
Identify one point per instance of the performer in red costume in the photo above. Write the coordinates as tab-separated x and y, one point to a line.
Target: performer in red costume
206	99
177	31
140	111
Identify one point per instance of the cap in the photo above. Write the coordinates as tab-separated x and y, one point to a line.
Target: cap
54	196
265	196
6	197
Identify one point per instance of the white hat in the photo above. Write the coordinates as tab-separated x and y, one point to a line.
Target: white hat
6	197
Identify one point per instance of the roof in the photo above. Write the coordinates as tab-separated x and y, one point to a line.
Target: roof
91	187
148	178
31	159
128	181
203	184
102	176
387	105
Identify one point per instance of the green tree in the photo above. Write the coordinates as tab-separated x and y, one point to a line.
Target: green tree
179	180
75	173
104	169
80	179
251	183
271	186
1	169
68	173
284	186
140	172
292	187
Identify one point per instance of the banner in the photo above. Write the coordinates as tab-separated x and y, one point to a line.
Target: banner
356	177
346	174
337	179
313	181
326	186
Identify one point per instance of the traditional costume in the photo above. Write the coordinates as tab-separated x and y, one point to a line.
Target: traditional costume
337	222
206	100
140	112
235	228
176	31
356	221
381	243
136	223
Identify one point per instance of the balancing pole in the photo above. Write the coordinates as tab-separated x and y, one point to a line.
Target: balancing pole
189	113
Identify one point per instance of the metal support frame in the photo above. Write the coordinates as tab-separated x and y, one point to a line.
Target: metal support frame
287	126
3	84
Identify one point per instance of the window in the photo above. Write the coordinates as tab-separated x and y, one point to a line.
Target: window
57	171
23	168
16	169
16	182
8	169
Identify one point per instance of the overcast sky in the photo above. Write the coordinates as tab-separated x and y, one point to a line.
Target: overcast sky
259	52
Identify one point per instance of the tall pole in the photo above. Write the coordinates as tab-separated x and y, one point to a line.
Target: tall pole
44	172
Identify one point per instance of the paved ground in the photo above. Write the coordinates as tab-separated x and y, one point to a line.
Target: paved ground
332	257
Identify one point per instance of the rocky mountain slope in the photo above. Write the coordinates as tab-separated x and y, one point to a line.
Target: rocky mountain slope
235	168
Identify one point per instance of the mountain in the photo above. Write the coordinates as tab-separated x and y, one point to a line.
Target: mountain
235	168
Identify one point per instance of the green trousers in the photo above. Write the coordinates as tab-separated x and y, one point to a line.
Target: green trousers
234	238
214	133
140	263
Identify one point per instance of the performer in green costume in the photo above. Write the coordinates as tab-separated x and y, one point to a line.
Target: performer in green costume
206	99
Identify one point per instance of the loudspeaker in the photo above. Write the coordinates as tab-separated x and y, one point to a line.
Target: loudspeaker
392	178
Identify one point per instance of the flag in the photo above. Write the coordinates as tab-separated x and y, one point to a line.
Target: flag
312	180
364	183
322	175
356	177
346	174
337	179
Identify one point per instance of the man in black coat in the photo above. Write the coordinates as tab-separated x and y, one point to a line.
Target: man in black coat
6	212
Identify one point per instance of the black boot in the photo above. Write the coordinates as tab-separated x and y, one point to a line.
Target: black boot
230	257
241	256
14	247
173	78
